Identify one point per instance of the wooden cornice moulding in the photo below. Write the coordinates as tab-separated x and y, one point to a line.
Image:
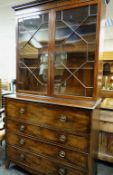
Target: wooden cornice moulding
34	3
39	2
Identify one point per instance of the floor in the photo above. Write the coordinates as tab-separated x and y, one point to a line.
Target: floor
103	169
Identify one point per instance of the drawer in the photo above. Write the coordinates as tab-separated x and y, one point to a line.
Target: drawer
64	118
109	145
106	116
40	165
106	143
49	150
106	126
105	146
63	138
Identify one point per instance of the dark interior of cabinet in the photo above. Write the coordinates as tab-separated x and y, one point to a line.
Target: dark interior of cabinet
74	75
28	79
85	75
73	57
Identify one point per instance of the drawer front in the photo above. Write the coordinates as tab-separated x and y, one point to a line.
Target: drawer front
39	164
63	118
106	143
109	144
63	138
106	126
53	151
106	116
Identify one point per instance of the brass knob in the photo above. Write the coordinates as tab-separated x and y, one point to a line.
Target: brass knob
22	157
22	110
62	154
63	118
22	128
62	171
22	142
62	138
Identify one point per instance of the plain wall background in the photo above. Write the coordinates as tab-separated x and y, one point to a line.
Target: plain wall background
109	30
7	37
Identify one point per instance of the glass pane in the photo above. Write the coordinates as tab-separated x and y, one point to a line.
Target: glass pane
107	78
75	41
33	53
93	9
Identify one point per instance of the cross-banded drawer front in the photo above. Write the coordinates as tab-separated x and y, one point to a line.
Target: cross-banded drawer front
63	138
49	150
74	120
41	165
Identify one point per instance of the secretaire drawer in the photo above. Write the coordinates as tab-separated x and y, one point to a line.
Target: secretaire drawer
39	164
50	150
76	120
59	137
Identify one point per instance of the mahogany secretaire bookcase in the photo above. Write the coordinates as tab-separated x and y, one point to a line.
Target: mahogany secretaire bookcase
51	121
